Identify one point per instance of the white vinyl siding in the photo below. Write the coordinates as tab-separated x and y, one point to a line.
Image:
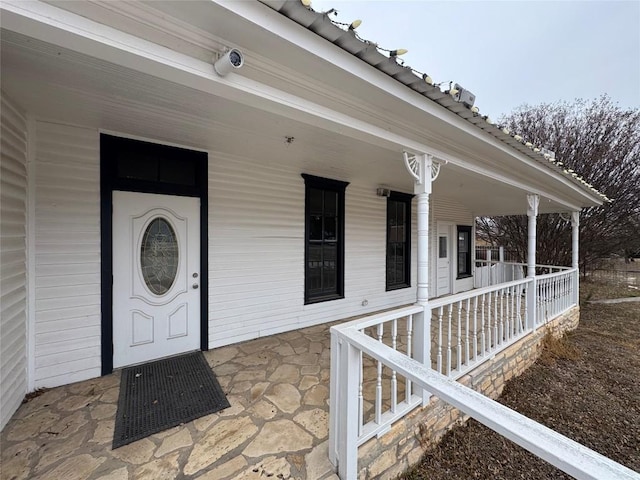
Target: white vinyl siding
13	286
256	252
67	254
447	210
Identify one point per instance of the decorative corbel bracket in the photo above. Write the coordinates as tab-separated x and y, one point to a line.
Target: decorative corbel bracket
533	200
413	166
572	217
435	170
575	219
423	168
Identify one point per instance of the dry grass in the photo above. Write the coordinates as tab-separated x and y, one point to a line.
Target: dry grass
585	386
557	348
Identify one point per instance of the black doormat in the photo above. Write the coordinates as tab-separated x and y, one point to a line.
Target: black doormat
162	394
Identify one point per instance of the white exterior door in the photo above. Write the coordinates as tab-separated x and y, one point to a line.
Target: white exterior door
443	262
156	276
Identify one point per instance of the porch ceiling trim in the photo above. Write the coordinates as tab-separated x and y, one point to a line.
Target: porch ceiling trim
53	25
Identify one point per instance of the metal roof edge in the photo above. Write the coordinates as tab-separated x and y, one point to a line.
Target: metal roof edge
321	25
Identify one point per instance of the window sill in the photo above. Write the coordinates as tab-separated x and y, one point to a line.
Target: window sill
326	298
391	288
466	275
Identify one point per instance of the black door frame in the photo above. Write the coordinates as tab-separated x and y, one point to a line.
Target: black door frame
113	150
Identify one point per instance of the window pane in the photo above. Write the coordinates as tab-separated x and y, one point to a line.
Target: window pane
462	263
159	256
177	171
140	167
442	247
463	242
400	271
330	272
330	228
400	212
315	227
314	268
315	201
331	203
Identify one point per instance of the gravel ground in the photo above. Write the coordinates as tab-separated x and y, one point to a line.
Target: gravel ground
585	386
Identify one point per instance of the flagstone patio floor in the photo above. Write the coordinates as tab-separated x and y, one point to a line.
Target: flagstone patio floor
276	427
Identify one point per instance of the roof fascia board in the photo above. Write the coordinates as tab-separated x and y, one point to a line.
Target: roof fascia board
278	24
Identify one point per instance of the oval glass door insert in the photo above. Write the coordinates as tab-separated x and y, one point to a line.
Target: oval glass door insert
159	256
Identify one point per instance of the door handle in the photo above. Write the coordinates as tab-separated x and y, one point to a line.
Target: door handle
195	286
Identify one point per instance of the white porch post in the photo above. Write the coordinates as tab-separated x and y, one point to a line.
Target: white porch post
532	212
420	167
575	236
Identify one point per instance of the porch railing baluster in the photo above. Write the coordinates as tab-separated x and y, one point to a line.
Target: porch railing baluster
407	390
439	357
449	314
379	379
483	335
394	380
475	328
459	340
467	355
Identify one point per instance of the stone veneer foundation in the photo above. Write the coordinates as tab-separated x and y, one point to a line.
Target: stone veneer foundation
403	446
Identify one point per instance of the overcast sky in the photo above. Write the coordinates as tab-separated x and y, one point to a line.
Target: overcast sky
511	52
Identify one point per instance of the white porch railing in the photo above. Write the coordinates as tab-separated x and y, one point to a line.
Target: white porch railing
471	327
556	293
382	396
352	344
373	366
494	272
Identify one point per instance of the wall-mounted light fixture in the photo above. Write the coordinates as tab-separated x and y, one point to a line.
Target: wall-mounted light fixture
228	62
383	191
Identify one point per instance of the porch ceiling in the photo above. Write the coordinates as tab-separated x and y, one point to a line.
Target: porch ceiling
57	84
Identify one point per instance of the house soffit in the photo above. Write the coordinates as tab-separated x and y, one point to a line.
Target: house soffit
180	35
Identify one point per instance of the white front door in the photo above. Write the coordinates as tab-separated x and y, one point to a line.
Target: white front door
443	263
156	276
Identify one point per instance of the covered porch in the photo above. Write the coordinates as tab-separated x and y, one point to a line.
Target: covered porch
277	425
266	137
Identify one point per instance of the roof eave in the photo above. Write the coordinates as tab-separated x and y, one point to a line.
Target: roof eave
320	24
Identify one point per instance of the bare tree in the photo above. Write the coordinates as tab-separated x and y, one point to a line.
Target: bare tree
600	141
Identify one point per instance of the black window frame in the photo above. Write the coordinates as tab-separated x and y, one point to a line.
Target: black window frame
468	260
338	187
406	199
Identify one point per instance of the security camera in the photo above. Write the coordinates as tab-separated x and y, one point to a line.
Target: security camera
229	61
